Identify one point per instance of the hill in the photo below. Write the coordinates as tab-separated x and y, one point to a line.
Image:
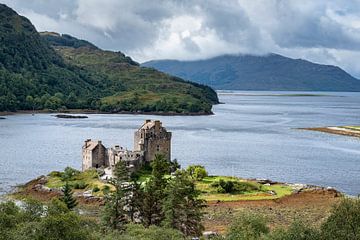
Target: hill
269	72
53	71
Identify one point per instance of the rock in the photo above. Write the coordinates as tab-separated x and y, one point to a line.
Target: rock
209	234
69	116
273	193
2	118
87	194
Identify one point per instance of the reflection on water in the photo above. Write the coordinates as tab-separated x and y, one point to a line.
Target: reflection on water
252	135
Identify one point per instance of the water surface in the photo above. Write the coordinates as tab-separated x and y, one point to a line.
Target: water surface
252	135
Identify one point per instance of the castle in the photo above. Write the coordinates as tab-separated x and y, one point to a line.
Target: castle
149	140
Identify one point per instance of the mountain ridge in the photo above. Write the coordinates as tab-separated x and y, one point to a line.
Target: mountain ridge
267	72
58	71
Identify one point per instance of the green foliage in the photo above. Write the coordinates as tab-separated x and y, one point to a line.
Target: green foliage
197	172
114	213
344	221
68	198
79	185
69	173
96	189
228	186
55	71
247	227
182	206
137	231
297	231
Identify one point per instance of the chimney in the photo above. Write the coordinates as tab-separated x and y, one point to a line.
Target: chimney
157	124
147	120
86	142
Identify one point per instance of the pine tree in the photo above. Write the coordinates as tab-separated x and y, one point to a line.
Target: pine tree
68	198
153	193
182	206
115	210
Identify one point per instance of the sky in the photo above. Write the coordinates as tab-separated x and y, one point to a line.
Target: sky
322	31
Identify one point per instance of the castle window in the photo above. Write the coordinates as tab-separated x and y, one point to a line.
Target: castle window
158	148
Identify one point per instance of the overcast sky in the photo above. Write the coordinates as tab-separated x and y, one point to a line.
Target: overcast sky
323	31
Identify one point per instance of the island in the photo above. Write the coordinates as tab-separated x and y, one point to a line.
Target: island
225	197
70	116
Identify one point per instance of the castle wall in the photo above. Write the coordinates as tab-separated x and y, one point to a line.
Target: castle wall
95	157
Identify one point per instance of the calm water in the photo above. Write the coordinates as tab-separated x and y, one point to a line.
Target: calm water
251	135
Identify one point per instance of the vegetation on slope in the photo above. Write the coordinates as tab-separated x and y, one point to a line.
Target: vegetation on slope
143	89
271	72
35	76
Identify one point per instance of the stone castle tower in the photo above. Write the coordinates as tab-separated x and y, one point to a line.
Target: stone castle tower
152	138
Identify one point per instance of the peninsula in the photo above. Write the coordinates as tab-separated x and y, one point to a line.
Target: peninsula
352	131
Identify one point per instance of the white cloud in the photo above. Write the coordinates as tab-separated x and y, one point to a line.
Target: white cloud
324	31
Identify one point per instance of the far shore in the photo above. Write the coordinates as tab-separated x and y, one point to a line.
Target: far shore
90	111
351	131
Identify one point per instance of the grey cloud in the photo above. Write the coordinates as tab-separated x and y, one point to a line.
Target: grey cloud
325	31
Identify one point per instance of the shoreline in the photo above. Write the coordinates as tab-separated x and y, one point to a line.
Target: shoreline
341	130
89	111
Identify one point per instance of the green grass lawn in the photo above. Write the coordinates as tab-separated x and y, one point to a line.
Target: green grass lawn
210	193
83	181
89	180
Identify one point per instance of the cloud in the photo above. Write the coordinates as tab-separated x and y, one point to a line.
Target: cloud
324	31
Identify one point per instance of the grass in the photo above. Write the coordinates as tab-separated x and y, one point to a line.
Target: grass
356	128
90	180
209	193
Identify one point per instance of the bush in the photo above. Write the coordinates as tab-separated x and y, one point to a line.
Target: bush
106	189
197	172
55	174
79	185
249	227
344	221
96	189
69	173
234	186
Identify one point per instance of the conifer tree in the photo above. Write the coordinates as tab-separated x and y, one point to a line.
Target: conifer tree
153	193
68	198
115	213
182	206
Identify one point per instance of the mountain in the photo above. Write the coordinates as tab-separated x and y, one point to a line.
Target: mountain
269	72
54	71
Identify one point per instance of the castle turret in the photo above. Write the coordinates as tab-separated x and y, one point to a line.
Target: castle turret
152	138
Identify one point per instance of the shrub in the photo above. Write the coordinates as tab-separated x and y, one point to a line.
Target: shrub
344	221
106	189
96	189
69	173
79	185
234	186
248	227
197	172
55	174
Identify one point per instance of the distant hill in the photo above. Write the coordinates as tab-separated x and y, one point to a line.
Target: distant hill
269	72
53	71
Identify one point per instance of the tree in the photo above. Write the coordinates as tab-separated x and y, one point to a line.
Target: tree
344	221
153	193
249	227
68	198
182	206
197	172
115	214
